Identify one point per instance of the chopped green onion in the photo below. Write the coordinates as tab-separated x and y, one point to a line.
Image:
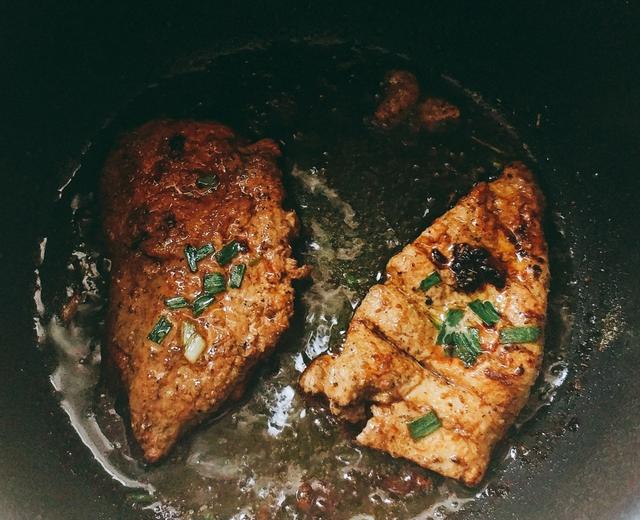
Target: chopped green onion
430	281
485	311
519	334
423	426
451	320
467	345
188	329
453	317
208	181
237	275
201	303
160	330
176	302
229	252
204	251
463	343
213	283
194	344
191	254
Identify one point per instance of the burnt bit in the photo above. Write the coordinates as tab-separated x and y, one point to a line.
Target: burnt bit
473	267
537	271
436	114
439	258
408	483
176	146
168	221
428	300
317	500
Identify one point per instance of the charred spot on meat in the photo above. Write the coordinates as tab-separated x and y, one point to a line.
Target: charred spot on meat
473	267
439	258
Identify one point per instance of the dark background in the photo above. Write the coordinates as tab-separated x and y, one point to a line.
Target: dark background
67	66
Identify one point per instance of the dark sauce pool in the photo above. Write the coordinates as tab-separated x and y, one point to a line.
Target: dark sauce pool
361	194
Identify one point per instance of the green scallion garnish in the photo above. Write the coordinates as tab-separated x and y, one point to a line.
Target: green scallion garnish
485	311
201	303
467	345
191	254
430	281
213	283
451	320
160	330
237	275
176	302
208	181
423	426
204	251
229	252
519	334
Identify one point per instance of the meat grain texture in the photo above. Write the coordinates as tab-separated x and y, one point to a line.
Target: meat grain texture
155	203
490	247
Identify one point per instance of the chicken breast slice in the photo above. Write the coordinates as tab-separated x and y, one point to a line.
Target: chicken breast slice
490	247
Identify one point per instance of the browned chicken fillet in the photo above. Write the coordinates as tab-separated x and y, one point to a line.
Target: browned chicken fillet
170	185
399	356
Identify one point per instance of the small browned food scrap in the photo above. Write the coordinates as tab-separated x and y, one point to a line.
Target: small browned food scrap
187	207
408	483
316	500
445	351
401	94
435	113
70	308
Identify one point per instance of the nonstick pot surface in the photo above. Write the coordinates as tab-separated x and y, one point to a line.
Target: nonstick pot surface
564	77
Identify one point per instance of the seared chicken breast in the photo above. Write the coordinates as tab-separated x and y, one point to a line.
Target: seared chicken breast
201	285
439	360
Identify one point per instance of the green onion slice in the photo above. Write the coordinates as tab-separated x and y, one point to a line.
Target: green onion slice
229	252
430	281
201	303
193	342
176	302
213	283
160	330
519	334
451	320
423	426
191	254
208	181
237	275
204	251
467	345
485	311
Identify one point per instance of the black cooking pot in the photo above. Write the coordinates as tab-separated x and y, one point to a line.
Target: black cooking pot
565	74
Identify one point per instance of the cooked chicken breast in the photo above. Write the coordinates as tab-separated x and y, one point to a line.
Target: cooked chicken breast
446	351
202	270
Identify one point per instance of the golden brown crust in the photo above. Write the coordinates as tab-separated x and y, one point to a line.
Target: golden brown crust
391	358
153	208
